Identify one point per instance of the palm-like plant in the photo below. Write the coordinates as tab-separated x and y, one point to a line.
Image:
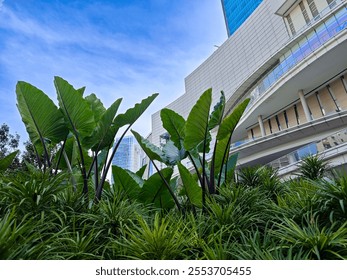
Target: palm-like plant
313	168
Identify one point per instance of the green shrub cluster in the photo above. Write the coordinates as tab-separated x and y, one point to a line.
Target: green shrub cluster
41	217
62	207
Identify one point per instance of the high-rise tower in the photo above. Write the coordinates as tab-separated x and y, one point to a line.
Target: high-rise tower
128	155
237	11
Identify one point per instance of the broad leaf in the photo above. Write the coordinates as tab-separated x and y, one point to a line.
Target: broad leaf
77	111
42	119
196	129
204	147
152	151
216	116
7	161
96	106
125	181
229	123
191	186
132	114
174	125
105	131
172	155
155	191
221	155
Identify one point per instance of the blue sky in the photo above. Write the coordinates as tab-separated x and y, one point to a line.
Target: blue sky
116	48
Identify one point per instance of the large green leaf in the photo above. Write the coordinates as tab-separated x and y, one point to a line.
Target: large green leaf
155	191
76	109
126	181
174	125
196	129
172	155
96	106
42	119
229	123
191	186
216	116
132	114
221	155
7	160
105	131
152	151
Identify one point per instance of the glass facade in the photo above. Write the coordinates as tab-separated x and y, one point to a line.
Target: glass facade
125	156
237	11
307	45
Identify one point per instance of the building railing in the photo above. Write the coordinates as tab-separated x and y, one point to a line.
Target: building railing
332	141
307	45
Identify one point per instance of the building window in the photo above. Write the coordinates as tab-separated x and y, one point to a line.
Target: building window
291	25
320	104
252	132
304	12
296	114
313	8
333	97
286	118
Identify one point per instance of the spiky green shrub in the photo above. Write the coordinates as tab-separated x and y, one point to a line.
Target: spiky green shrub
313	167
158	239
318	242
333	196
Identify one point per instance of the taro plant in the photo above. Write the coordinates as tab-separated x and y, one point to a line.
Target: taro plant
78	135
192	139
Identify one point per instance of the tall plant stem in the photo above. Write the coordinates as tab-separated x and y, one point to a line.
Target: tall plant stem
83	167
212	187
168	187
74	184
60	156
195	167
107	167
37	157
203	177
226	153
96	170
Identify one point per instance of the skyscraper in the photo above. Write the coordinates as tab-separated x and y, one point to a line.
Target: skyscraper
237	11
128	155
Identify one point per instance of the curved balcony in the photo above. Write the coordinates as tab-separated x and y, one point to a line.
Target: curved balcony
322	33
308	61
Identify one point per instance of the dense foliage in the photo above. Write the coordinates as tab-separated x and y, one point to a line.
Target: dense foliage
62	207
42	218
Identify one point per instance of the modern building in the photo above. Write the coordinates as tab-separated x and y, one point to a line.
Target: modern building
128	155
289	57
237	11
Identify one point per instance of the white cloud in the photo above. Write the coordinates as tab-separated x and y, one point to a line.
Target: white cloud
110	63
